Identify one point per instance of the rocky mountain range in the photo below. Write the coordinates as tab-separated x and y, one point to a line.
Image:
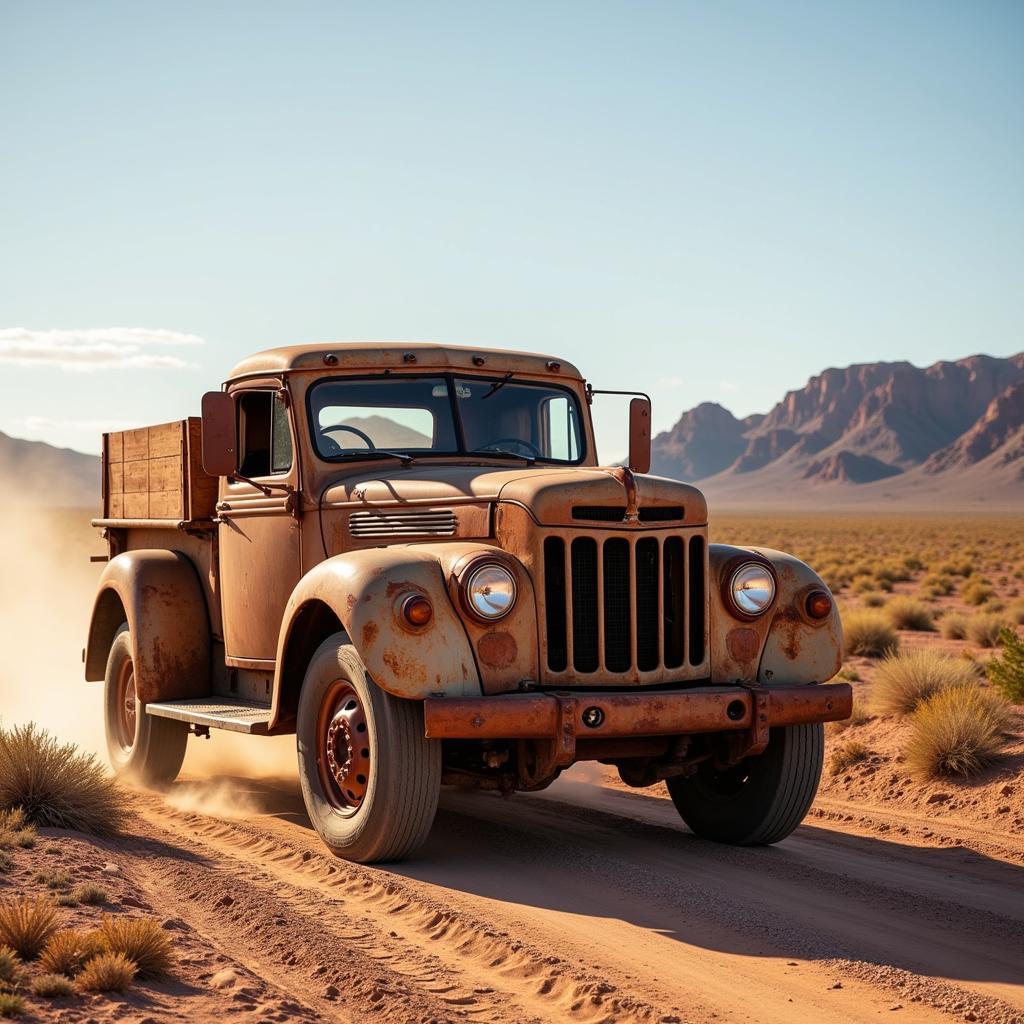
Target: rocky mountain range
871	432
39	473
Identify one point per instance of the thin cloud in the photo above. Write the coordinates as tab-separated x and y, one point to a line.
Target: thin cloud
669	382
97	348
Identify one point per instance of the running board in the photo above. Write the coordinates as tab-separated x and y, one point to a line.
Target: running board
217	713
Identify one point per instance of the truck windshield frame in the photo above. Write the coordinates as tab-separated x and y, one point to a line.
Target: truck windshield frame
451	438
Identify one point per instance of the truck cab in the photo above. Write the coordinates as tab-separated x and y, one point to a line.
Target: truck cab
412	558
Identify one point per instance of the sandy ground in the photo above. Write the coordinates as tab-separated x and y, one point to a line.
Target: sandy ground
587	903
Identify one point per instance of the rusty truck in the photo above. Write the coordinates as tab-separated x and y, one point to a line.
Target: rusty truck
410	557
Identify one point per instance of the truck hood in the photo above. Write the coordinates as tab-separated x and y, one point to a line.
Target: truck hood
549	493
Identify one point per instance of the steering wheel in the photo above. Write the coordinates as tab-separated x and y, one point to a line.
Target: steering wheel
500	442
335	447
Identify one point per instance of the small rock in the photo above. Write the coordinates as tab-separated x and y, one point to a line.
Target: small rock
225	901
838	984
306	855
332	992
1005	809
898	1006
1006	791
110	869
173	924
970	1015
937	798
791	963
227	978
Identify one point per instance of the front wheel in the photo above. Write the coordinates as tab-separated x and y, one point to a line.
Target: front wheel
141	747
760	800
369	777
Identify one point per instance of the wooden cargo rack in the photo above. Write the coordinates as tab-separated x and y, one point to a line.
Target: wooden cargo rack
156	473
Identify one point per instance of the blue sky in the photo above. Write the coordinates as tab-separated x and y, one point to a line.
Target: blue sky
710	201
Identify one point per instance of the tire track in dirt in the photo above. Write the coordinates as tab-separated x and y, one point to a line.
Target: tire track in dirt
329	911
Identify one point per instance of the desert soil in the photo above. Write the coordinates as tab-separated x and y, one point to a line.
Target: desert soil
586	903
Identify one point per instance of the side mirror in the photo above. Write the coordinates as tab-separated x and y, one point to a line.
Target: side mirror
639	435
220	455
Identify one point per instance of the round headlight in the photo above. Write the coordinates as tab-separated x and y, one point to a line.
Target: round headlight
490	591
752	589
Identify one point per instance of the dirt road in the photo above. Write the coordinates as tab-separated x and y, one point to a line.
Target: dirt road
584	903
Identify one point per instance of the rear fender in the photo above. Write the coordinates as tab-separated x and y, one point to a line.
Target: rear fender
159	595
363	591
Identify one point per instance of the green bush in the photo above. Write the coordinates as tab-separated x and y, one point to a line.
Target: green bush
1006	672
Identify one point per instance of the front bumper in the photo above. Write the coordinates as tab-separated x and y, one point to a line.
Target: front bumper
564	717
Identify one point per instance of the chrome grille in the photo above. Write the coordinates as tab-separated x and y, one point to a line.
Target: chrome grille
430	522
624	605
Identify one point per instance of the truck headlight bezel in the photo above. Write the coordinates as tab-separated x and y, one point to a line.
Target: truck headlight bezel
750	589
489	590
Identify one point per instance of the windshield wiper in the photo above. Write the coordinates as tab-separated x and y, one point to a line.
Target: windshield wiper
381	453
502	452
497	385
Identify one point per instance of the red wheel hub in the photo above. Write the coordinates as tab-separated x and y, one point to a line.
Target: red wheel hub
343	748
127	705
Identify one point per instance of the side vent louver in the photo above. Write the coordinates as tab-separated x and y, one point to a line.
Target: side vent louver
415	522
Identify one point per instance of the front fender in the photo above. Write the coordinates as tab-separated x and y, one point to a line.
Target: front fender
783	646
158	593
364	590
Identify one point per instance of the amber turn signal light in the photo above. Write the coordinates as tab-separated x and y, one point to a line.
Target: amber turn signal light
417	610
819	604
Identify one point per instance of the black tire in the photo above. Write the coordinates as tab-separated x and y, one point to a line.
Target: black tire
762	799
141	747
372	801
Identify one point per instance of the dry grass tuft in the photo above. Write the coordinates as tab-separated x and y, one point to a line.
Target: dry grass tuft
957	732
10	968
142	940
869	634
846	755
953	626
67	951
11	1005
53	986
976	591
905	680
983	628
108	972
90	894
15	831
27	924
56	785
908	613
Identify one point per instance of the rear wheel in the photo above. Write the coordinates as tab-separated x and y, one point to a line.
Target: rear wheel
370	779
141	747
760	800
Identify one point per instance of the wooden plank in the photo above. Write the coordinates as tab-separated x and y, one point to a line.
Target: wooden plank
115	446
165	474
136	477
165	439
201	487
115	506
136	444
136	505
166	505
115	478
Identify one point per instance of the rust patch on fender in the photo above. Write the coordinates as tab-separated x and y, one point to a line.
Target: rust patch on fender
497	649
370	632
743	644
404	667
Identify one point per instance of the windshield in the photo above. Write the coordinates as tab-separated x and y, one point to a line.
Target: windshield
445	416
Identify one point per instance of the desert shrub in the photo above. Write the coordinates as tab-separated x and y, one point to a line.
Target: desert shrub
10	969
108	972
953	626
15	831
6	861
26	924
977	592
983	628
53	879
1015	613
906	613
55	784
846	755
67	951
903	681
873	600
11	1005
142	940
937	586
91	894
1006	672
868	633
957	732
53	986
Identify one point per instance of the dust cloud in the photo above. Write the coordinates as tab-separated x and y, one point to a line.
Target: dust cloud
46	595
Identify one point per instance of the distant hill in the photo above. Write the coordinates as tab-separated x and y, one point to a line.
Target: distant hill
875	433
39	473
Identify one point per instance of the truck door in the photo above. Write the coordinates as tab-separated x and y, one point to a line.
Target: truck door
260	555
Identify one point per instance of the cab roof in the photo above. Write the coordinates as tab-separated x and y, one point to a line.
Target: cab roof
404	355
